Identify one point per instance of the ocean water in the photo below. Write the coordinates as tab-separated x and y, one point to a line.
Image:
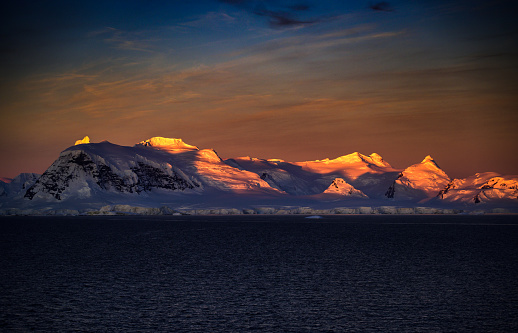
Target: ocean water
259	273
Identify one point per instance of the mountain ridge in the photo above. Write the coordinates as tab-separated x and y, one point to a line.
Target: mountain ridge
171	172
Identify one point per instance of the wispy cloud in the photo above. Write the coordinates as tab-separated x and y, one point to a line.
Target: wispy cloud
142	40
283	18
280	14
127	41
211	19
263	77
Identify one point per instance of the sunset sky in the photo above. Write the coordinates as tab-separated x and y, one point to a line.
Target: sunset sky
297	80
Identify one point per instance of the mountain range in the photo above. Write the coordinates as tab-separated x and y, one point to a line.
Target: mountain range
163	175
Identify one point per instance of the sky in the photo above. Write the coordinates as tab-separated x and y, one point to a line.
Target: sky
296	80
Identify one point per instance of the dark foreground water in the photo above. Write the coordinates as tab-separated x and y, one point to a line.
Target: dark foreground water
259	273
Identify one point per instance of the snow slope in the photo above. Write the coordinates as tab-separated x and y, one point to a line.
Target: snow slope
166	143
368	174
419	182
342	188
481	188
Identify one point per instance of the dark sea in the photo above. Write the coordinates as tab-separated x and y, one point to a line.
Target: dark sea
259	273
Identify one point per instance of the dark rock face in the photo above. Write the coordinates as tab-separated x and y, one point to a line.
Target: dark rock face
392	189
77	165
476	198
150	177
445	190
57	178
269	179
334	184
107	179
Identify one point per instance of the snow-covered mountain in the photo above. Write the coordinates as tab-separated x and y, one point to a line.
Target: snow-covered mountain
17	186
481	188
419	182
168	172
5	180
369	174
159	165
342	188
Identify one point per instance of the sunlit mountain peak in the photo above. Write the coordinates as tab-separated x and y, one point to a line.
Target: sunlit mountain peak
355	157
170	143
428	160
377	159
86	139
419	181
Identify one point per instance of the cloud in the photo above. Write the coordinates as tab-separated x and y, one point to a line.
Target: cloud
382	6
275	75
336	46
126	41
279	15
211	19
282	18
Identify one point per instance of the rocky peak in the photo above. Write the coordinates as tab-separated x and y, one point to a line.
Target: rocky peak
430	161
341	187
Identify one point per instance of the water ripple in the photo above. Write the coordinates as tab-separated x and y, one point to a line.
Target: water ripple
283	274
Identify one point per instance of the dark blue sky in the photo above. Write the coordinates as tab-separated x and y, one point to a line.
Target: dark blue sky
297	80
